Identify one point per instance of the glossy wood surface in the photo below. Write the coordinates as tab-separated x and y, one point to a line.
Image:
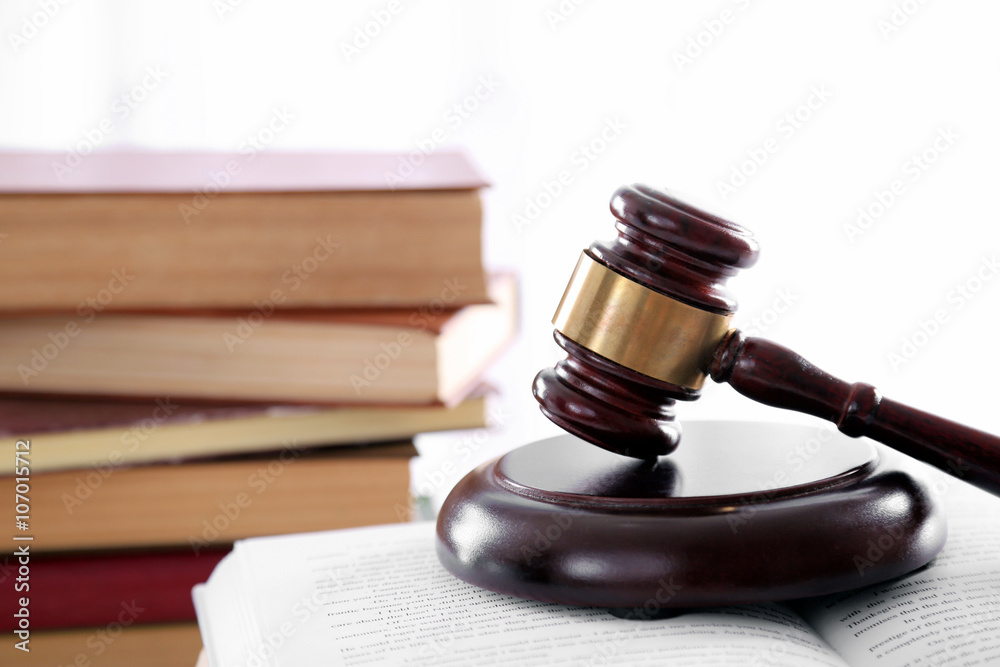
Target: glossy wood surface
609	405
687	253
772	374
743	512
675	248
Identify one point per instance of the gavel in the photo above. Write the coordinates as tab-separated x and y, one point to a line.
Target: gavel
646	318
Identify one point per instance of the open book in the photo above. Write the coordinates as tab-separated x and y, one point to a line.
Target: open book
378	596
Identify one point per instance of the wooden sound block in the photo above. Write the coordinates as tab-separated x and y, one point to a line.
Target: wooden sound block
739	513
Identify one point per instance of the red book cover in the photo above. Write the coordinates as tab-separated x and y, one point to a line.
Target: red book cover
53	414
97	589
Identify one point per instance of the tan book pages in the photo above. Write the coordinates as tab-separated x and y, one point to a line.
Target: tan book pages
172	430
197	504
130	230
96	253
301	358
134	645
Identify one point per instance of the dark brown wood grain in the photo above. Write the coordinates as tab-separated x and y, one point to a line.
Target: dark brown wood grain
711	524
772	374
687	253
609	405
675	248
678	250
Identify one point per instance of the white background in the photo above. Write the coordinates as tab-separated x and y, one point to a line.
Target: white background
895	74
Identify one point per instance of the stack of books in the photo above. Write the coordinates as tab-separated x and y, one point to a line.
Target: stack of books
201	348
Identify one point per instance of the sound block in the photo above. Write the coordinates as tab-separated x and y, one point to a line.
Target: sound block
741	512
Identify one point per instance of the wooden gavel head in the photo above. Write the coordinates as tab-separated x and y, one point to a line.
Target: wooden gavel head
640	320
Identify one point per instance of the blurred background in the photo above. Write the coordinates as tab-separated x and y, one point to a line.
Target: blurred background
857	140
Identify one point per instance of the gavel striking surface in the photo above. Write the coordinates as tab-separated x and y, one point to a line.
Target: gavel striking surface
743	512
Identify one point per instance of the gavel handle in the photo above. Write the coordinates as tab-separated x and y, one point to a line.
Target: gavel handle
774	375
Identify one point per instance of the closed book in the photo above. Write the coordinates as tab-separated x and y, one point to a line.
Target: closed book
89	432
124	231
114	645
201	505
99	589
429	355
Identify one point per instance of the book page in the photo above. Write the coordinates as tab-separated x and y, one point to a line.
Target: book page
947	613
379	596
